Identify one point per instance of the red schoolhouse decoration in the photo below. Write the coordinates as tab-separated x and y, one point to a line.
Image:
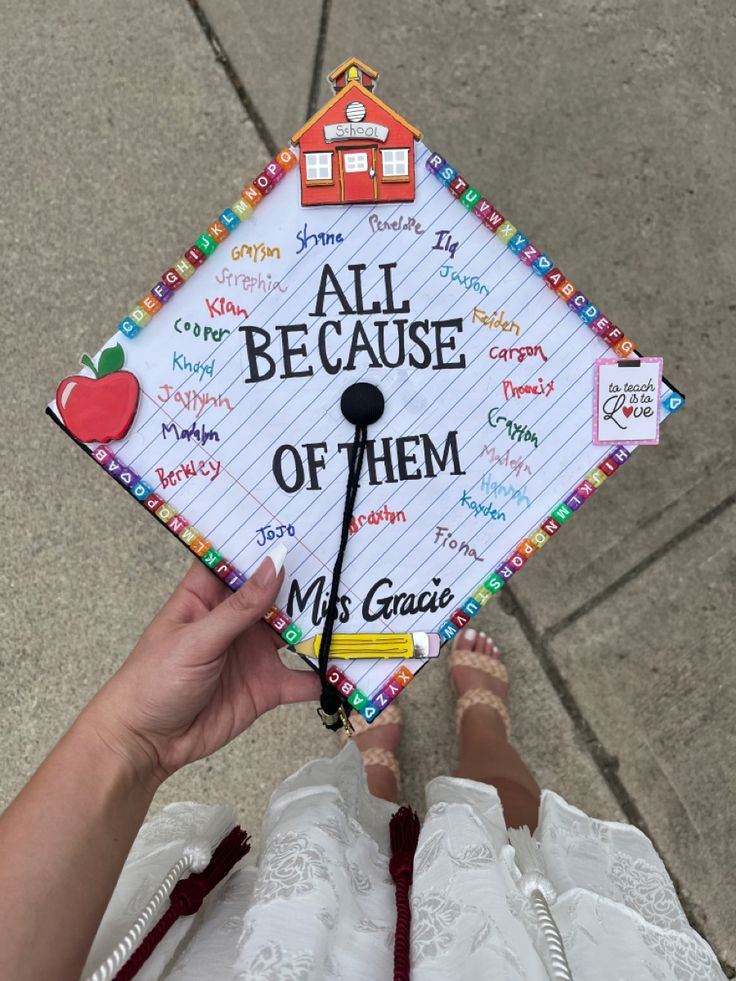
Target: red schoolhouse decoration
356	149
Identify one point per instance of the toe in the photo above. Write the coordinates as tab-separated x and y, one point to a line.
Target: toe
466	639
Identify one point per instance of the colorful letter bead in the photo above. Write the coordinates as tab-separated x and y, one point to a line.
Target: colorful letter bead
206	244
252	195
526	548
184	268
585	489
369	711
195	256
287	158
516	561
356	699
538	538
391	690
201	547
242	209
153	501
460	618
608	466
561	513
177	524
494	220
435	163
589	313
447	175
624	348
458	186
229	219
574	502
346	687
235	580
448	630
165	513
481	595
139	316
529	254
128	478
471	606
614	335
217	232
596	477
567	289
600	325
403	677
223	570
673	401
518	242
542	265
470	198
494	583
271	614
102	454
554	278
505	571
292	634
578	302
172	278
550	527
275	171
506	232
162	292
482	208
128	327
280	622
264	183
189	535
141	490
380	699
150	304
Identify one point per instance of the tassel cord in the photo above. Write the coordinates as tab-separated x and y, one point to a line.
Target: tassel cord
558	958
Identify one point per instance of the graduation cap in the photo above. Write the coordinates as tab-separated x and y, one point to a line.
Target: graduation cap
364	358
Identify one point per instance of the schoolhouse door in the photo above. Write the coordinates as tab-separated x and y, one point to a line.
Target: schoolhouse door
358	181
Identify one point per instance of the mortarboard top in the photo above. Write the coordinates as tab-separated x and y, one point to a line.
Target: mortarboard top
363	358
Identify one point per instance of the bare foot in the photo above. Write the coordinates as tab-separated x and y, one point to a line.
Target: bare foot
378	743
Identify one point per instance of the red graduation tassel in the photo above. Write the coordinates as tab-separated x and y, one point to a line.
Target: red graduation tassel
404	830
187	896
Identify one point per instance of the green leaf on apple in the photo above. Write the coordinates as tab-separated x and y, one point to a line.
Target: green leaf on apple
111	360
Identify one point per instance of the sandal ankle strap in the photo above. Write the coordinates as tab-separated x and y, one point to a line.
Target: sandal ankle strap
482	696
481	662
376	756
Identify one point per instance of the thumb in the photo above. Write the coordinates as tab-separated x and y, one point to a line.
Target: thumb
251	602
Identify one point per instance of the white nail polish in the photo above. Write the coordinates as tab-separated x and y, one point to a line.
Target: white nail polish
277	555
469	634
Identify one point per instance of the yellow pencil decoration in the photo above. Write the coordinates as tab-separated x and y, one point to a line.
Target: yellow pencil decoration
400	646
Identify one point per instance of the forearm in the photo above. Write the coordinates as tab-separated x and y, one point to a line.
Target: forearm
63	842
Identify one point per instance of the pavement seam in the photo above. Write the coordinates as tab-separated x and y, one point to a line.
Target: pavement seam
590	604
606	763
223	58
315	98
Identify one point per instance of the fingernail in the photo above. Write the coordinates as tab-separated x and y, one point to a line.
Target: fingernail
271	566
482	634
470	634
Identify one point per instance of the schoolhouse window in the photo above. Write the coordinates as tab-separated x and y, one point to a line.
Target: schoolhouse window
319	166
355	162
395	163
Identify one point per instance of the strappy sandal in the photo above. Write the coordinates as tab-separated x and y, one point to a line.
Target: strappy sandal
377	755
479	696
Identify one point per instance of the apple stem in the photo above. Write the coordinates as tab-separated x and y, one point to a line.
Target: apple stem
89	363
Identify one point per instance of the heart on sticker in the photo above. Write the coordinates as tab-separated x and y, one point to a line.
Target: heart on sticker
627	410
675	403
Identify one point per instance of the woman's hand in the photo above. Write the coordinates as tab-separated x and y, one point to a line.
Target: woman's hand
203	671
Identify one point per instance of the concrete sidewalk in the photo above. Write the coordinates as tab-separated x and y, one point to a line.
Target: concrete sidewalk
605	132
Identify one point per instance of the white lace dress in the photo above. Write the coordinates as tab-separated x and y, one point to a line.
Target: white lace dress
318	903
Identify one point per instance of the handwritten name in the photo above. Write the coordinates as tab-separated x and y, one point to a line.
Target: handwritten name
499	488
380	602
506	460
198	434
443	537
250	284
308	240
221	306
467	282
375	518
481	510
201	468
511	391
194	400
495	319
256	252
269	534
522	434
445	243
207	333
201	368
520	354
397	225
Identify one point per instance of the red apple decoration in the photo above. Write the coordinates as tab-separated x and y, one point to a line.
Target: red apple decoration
102	408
